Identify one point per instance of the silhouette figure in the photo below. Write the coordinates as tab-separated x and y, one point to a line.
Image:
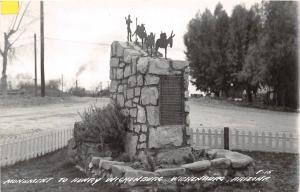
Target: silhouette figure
163	42
150	42
141	33
128	22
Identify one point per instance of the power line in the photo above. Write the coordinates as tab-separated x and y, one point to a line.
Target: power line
76	41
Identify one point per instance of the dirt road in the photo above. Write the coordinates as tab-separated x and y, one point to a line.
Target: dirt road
17	120
243	118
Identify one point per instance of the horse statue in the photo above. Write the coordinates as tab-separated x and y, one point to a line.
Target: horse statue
141	33
163	42
150	43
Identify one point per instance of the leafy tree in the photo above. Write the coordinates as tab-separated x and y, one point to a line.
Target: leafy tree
247	76
280	51
220	47
207	50
238	39
199	41
252	48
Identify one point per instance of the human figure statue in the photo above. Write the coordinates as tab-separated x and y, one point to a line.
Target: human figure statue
128	22
141	33
150	42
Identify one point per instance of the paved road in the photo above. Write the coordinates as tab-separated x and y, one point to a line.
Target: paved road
58	116
18	120
219	116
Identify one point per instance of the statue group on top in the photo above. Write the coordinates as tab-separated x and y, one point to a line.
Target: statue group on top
148	41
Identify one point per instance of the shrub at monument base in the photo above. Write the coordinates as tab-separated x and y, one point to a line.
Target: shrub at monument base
100	133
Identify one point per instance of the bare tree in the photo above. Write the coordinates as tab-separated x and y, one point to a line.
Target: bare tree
10	37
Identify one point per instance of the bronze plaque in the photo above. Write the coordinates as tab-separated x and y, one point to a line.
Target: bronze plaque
171	100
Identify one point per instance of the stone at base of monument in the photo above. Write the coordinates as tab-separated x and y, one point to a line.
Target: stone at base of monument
211	172
174	156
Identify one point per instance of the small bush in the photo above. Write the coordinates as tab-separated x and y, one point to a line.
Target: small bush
104	125
52	88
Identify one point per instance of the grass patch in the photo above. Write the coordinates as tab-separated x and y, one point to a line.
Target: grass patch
284	178
53	165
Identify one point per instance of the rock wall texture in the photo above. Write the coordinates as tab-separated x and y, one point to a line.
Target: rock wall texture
135	86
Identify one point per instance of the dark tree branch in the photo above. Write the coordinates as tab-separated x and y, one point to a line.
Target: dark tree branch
20	21
21	33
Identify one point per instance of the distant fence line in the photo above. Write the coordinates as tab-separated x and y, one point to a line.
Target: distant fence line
24	147
246	140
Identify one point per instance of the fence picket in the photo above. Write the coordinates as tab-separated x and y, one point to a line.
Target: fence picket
27	148
291	143
14	151
203	137
263	141
250	141
277	142
216	136
256	141
9	151
189	132
197	137
284	142
237	139
243	139
222	139
4	152
270	140
209	137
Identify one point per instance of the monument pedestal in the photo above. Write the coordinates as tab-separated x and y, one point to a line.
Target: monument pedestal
153	92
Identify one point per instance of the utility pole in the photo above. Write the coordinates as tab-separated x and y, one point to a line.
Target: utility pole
42	50
35	66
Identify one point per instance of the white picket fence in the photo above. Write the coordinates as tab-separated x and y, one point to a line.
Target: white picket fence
24	147
246	140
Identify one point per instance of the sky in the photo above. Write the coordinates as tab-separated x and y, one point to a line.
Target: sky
78	34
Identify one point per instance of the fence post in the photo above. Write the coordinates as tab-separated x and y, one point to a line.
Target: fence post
226	138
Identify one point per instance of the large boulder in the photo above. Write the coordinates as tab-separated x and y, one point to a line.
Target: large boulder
221	163
141	115
159	66
106	164
197	166
162	136
131	144
96	160
149	95
153	115
239	160
142	65
178	156
119	170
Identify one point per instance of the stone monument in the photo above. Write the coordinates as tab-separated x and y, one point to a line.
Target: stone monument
153	92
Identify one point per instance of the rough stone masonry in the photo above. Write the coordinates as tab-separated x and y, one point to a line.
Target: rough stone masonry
136	85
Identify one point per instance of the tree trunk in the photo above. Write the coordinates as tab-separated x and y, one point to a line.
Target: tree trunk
249	95
4	76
